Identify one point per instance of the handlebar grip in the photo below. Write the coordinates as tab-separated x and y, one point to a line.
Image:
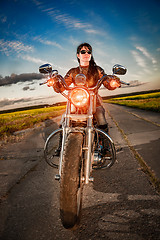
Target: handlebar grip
43	83
124	83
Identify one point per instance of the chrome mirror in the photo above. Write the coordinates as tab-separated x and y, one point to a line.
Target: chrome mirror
119	69
46	68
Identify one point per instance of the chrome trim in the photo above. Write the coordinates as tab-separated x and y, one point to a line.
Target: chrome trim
53	133
45	68
46	143
119	69
89	154
110	139
65	132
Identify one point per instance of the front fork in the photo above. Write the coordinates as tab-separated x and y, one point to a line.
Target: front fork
88	155
64	135
88	142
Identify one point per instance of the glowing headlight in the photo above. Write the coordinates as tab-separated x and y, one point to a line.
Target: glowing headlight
79	97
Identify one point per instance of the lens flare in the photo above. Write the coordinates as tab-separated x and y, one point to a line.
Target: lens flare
50	82
114	84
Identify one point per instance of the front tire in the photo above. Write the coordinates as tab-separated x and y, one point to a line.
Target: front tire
71	181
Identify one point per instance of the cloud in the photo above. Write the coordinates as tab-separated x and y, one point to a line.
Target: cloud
8	47
74	41
146	54
23	102
40	61
3	18
47	42
27	88
94	31
74	23
31	59
134	83
140	61
14	78
144	59
6	101
68	21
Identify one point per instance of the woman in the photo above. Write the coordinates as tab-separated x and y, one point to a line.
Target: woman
93	73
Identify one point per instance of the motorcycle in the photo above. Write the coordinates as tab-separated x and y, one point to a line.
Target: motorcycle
82	143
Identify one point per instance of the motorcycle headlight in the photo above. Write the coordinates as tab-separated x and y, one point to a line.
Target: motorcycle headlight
79	97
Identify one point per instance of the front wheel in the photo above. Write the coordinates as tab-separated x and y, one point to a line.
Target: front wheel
71	181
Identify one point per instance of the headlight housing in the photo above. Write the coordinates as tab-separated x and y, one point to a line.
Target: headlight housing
79	97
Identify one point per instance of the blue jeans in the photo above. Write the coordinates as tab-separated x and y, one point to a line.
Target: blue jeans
100	119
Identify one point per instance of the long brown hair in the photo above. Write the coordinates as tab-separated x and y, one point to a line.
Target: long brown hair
92	71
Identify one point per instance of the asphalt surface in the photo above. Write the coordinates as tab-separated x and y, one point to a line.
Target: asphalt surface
120	204
142	129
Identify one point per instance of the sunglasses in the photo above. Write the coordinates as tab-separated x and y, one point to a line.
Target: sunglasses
84	51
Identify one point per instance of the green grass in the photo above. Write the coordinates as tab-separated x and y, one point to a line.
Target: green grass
150	101
15	121
141	96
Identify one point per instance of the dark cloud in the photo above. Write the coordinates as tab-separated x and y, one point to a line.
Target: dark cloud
32	101
14	78
134	83
27	88
14	101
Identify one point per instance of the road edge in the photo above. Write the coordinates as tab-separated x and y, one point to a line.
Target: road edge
144	167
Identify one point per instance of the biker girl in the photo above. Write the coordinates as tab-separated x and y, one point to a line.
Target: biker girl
84	144
93	73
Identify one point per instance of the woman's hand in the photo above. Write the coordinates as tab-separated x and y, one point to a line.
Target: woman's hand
55	82
112	82
50	82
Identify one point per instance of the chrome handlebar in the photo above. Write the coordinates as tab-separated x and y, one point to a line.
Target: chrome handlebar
100	81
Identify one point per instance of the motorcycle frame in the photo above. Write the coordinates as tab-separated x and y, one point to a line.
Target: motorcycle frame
88	132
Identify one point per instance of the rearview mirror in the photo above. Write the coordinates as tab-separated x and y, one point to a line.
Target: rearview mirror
119	69
46	68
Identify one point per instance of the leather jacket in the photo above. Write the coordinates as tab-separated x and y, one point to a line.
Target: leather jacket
92	80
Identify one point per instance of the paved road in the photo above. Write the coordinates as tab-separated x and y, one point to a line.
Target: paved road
142	129
120	204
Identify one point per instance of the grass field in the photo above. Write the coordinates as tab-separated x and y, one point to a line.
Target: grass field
20	120
150	101
15	121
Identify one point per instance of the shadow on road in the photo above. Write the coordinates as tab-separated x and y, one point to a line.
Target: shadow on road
121	204
124	219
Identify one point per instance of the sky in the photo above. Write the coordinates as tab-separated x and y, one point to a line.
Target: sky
35	32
